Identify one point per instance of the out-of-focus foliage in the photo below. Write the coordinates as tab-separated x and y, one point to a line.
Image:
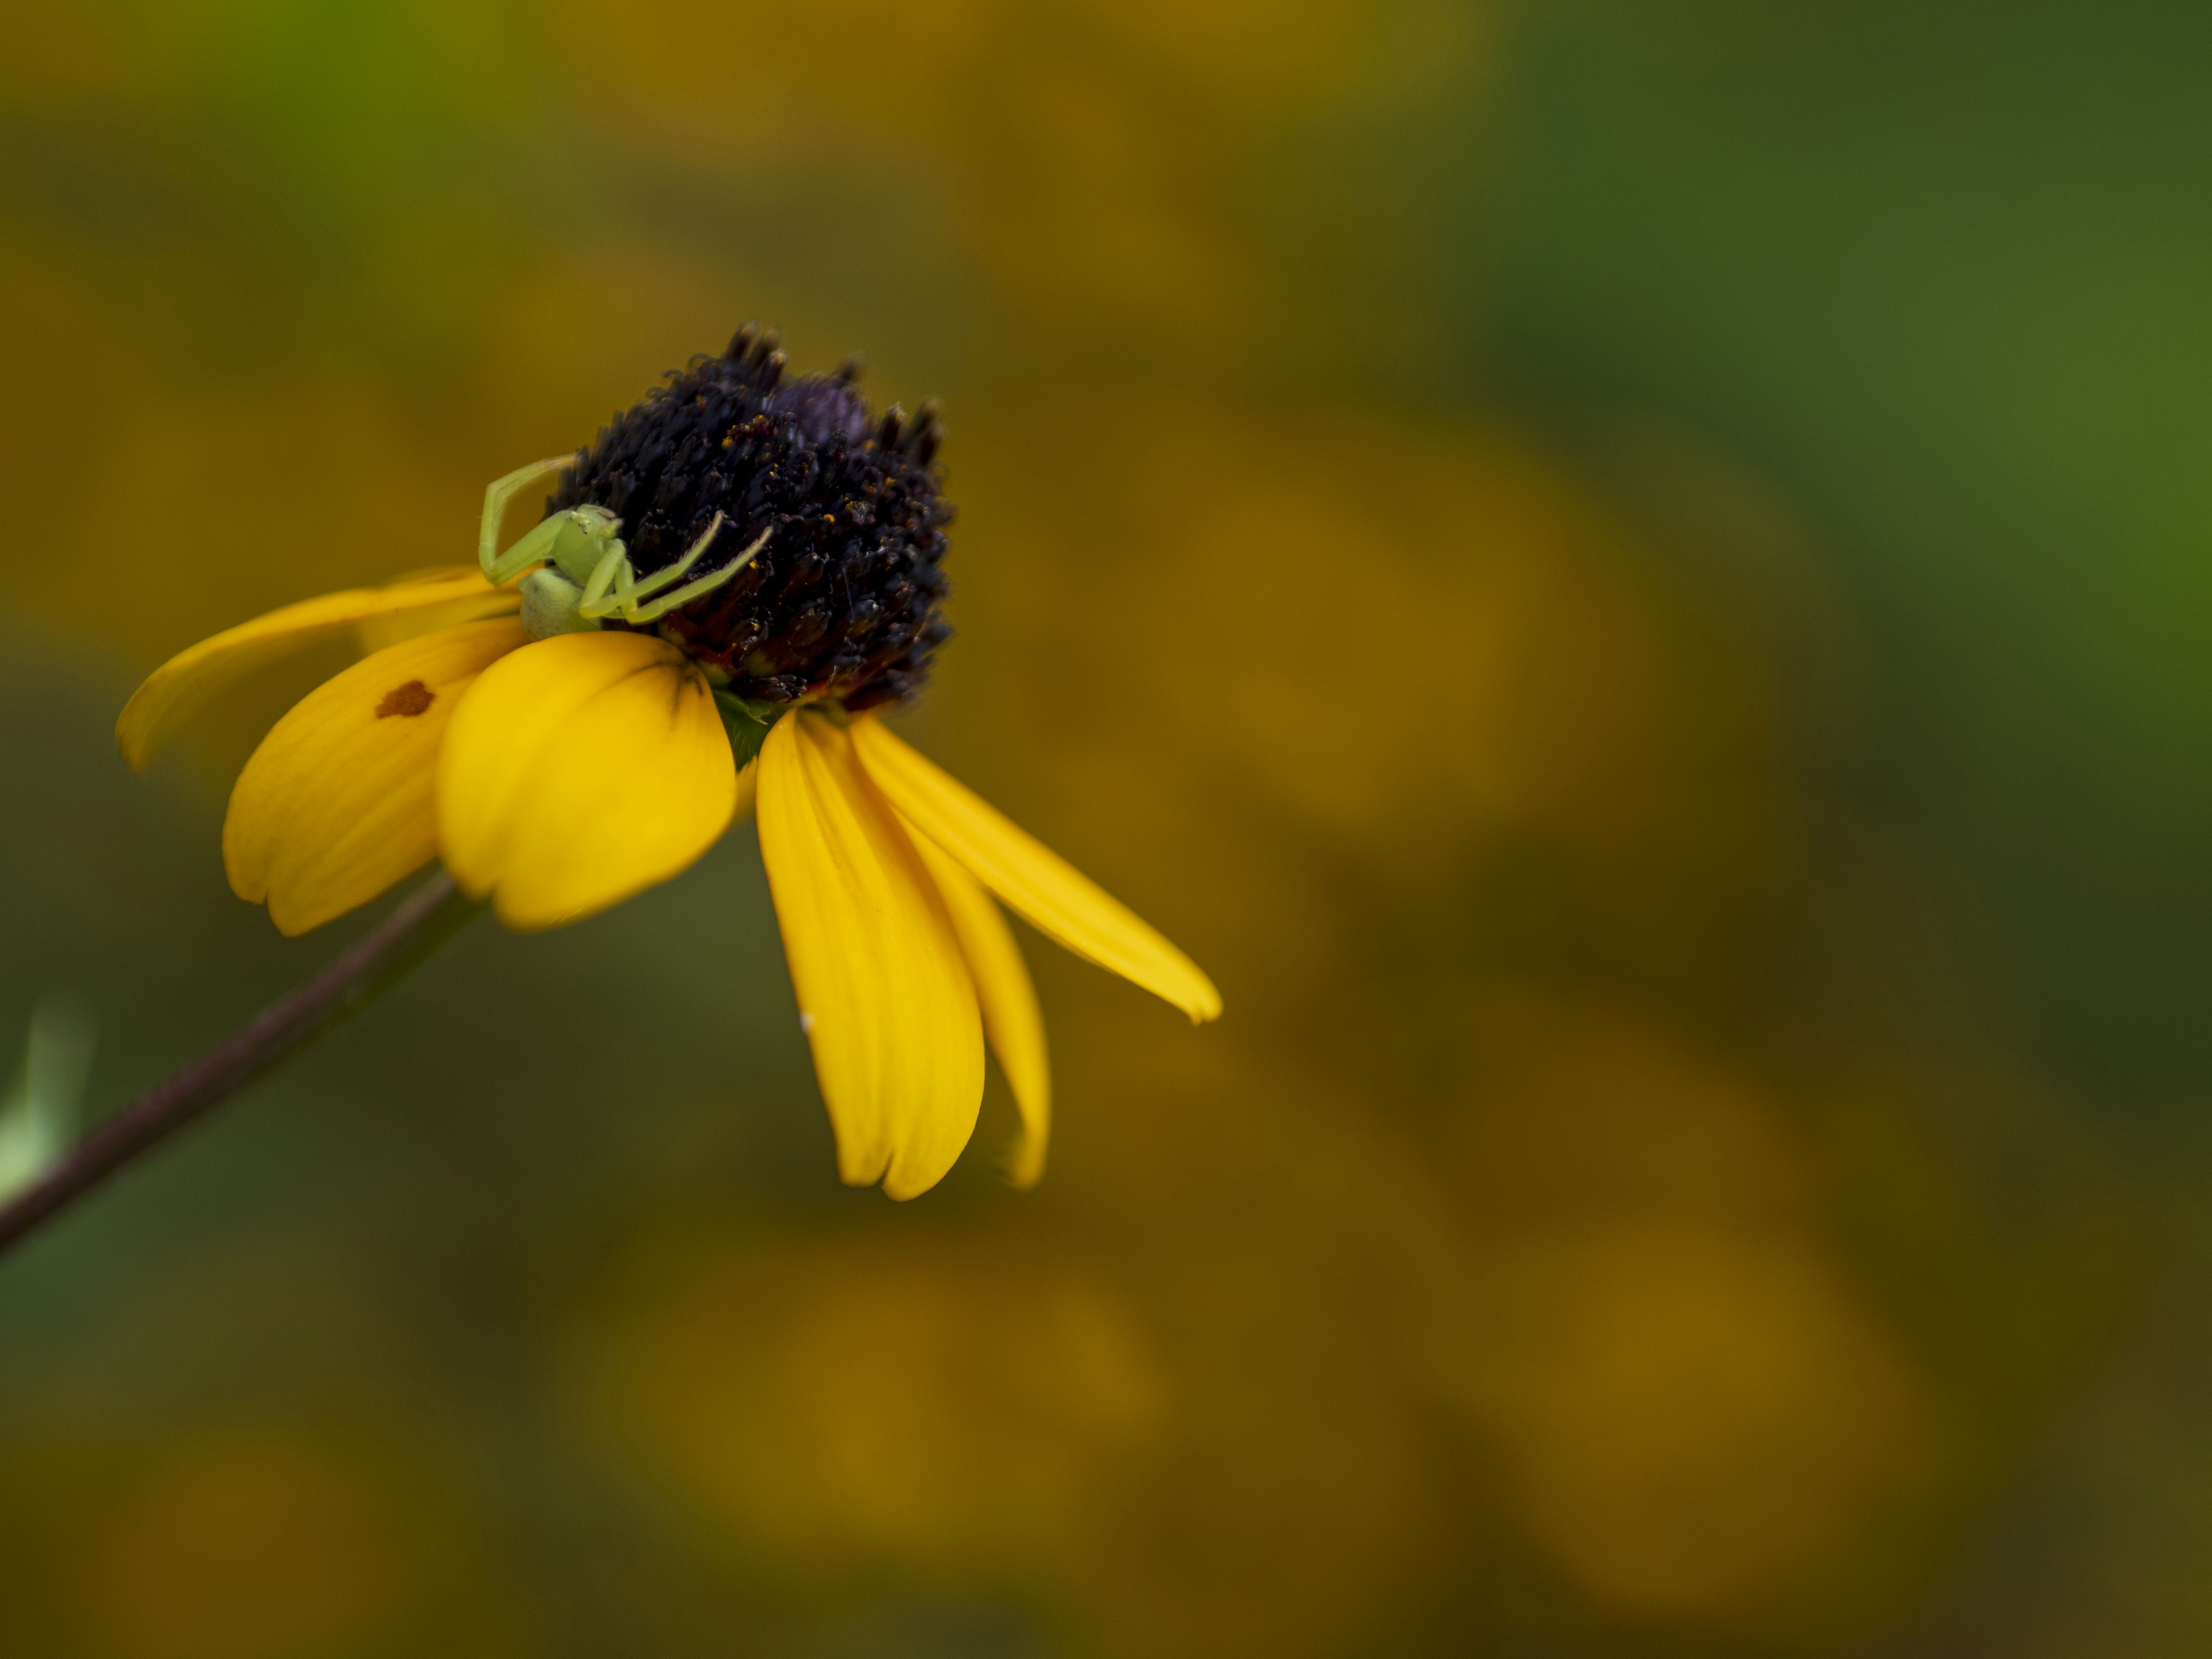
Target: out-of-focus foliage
1631	583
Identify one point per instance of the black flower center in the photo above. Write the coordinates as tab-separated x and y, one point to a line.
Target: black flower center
843	600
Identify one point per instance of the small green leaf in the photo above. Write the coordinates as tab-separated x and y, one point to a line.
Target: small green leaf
747	722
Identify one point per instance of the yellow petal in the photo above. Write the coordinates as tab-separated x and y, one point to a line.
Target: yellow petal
1034	881
748	788
1011	1018
336	804
580	770
390	627
173	691
884	994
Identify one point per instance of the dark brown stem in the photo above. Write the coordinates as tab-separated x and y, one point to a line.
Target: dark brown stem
425	920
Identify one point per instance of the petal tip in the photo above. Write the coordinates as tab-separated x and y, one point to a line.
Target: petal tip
477	892
1197	997
905	1192
867	1167
132	739
522	919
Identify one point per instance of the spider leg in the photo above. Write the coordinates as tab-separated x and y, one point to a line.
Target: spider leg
497	495
534	549
651	585
612	571
628	589
652	610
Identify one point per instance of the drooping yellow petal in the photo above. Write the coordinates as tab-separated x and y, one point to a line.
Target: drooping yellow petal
580	770
336	804
748	790
390	627
173	691
1011	1018
884	992
1032	880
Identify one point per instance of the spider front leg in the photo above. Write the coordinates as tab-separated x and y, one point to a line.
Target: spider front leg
498	567
634	600
575	542
611	572
615	586
653	609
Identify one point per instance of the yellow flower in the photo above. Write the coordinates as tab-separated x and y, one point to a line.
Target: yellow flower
559	758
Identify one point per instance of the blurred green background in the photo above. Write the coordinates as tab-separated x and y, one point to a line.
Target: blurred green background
1630	579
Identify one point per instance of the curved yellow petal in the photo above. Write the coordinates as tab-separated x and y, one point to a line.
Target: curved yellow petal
390	627
336	804
173	691
579	770
1010	1017
885	993
748	790
1029	878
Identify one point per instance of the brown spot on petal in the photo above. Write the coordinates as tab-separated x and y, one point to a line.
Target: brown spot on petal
410	699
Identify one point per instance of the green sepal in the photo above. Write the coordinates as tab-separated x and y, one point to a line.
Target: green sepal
747	722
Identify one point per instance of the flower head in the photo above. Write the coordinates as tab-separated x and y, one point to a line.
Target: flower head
843	599
724	591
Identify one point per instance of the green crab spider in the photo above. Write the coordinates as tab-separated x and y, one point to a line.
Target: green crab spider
583	573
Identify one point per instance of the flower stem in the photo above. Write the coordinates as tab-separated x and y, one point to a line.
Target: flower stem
425	920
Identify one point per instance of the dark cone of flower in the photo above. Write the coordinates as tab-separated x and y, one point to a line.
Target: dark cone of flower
843	599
